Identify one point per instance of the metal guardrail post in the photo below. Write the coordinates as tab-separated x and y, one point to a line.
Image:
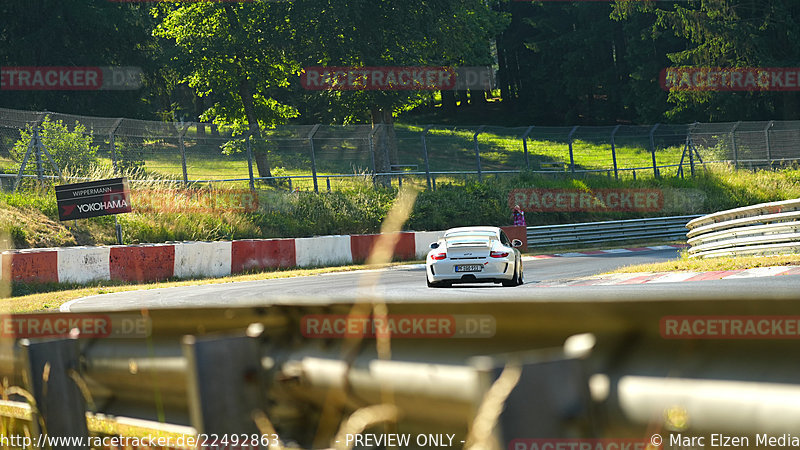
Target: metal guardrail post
733	143
250	162
51	367
478	152
769	147
614	151
691	148
39	167
181	133
224	384
525	146
313	156
653	150
22	165
35	145
425	155
571	155
112	144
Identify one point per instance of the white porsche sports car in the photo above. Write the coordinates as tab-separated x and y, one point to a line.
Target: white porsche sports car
474	255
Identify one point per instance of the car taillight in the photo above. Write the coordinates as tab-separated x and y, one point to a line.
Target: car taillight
439	256
498	254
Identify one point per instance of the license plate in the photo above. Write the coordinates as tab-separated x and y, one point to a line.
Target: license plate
469	268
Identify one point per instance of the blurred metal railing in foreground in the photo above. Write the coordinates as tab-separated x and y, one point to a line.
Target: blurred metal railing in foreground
587	366
190	152
763	229
589	233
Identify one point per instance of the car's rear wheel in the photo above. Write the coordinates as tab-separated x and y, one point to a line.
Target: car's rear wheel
437	284
517	279
514	281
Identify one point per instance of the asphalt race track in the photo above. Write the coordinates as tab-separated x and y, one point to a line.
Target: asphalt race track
407	283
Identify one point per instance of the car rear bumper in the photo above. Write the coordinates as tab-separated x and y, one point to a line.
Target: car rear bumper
494	271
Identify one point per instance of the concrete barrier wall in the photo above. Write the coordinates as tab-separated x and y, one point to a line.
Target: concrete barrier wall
258	254
141	263
361	246
83	264
423	241
202	259
31	265
323	251
520	233
156	262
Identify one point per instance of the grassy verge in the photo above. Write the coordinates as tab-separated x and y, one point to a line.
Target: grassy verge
30	217
684	264
49	297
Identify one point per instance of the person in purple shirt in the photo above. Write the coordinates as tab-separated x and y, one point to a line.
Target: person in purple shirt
518	216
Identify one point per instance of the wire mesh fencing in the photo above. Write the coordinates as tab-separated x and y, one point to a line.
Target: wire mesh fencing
326	157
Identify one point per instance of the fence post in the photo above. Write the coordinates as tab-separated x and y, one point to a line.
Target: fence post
425	155
51	367
653	150
250	162
181	132
614	150
478	152
733	143
769	147
24	163
38	150
313	156
525	146
112	144
571	156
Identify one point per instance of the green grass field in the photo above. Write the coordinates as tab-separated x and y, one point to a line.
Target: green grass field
448	150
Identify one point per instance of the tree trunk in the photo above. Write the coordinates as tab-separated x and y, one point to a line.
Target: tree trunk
259	149
449	102
477	97
246	94
790	105
199	107
462	95
384	142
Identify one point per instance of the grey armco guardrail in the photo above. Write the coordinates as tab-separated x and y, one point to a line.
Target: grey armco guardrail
763	229
659	228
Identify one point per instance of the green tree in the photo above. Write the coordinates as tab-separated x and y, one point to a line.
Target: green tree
74	33
235	54
725	33
248	57
71	149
